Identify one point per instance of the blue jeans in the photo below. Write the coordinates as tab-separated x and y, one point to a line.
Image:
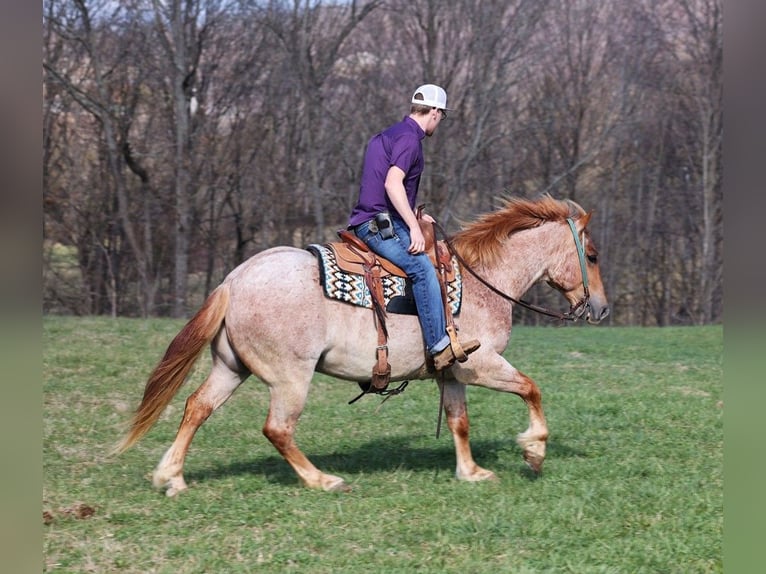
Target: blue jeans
420	270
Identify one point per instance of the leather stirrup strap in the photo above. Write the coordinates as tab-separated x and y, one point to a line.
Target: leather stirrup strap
381	371
457	348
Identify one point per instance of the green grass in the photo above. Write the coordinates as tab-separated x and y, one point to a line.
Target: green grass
632	481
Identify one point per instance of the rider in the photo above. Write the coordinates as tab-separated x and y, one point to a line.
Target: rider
384	216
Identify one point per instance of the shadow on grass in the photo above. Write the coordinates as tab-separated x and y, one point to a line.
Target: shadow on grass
385	456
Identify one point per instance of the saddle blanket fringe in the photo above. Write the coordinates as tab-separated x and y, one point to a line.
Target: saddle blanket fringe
397	291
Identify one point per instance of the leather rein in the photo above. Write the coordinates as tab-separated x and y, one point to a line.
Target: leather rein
575	311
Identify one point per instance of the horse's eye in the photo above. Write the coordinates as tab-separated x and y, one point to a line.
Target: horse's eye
593	259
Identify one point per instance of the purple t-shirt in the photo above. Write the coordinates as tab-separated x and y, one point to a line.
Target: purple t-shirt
399	145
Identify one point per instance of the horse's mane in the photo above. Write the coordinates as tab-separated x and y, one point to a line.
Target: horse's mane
479	242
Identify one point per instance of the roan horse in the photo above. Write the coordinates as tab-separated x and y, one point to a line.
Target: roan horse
270	318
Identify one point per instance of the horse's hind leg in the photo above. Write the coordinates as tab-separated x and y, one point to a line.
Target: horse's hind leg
457	421
225	376
287	402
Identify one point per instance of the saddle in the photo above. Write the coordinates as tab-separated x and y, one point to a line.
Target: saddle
353	256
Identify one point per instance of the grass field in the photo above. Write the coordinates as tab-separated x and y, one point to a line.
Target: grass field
633	480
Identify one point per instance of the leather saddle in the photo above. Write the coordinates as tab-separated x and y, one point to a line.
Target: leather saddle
353	256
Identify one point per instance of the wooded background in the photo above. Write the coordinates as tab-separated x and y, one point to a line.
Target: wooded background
181	137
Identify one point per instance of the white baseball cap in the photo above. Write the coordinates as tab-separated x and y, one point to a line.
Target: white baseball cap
432	96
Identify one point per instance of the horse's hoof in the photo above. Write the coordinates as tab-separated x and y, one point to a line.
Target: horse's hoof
342	487
172	485
478	475
483	474
339	486
534	451
534	462
171	492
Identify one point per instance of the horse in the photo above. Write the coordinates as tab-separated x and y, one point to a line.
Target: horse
270	318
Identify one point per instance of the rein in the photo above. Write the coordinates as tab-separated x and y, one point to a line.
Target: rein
575	311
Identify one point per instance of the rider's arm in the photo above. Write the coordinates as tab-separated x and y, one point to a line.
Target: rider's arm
398	196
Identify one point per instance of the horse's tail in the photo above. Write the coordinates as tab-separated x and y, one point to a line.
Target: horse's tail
171	372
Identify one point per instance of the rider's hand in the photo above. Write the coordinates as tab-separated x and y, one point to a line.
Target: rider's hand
417	241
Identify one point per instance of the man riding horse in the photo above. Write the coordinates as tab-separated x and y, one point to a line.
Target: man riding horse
385	219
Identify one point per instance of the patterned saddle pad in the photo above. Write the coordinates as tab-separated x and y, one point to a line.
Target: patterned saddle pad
397	291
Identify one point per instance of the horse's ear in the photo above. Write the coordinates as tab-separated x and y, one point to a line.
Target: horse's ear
584	220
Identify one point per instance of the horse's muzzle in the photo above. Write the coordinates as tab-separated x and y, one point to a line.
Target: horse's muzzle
595	313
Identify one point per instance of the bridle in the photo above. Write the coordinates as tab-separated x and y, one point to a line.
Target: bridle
575	311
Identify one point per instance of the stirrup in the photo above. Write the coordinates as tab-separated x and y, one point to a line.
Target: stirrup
457	349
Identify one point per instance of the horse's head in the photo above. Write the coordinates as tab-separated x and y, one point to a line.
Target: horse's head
558	235
577	276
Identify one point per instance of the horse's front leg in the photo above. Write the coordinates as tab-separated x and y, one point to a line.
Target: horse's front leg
499	375
457	421
534	439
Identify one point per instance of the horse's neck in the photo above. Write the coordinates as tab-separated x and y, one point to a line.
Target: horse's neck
524	261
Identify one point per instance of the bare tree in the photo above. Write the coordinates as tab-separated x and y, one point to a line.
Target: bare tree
700	87
87	78
312	36
181	27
